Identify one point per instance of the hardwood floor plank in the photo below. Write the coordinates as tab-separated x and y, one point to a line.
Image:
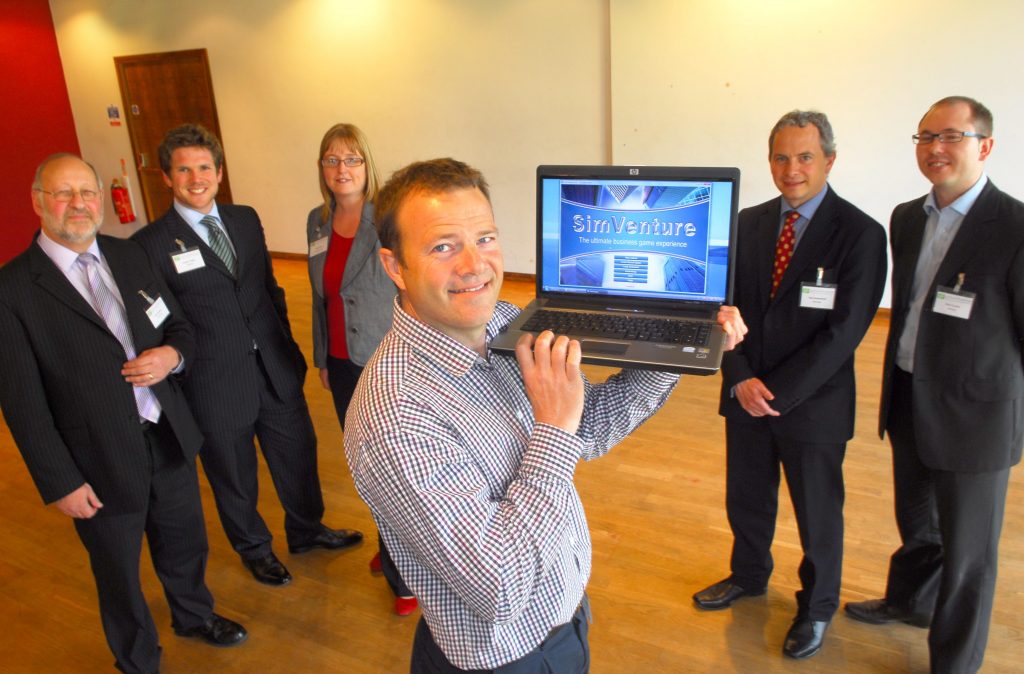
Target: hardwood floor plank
657	516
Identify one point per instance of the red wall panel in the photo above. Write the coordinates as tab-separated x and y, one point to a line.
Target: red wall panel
35	113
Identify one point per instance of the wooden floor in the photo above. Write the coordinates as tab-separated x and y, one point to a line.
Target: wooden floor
656	511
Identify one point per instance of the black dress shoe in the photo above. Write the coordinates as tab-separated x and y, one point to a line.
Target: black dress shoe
880	612
329	539
216	631
268	570
804	638
722	594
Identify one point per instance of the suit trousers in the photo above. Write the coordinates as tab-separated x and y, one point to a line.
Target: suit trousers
176	533
814	473
949	525
288	442
343	375
565	650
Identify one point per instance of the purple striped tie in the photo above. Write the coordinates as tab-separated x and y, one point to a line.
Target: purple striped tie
110	310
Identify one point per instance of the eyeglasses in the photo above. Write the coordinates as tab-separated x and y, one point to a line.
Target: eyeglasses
944	137
65	196
335	162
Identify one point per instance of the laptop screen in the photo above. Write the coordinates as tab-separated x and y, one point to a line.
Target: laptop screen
639	233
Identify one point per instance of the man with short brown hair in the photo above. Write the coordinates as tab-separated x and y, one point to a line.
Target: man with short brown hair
466	456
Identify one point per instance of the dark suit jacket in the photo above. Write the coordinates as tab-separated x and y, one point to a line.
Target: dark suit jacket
968	378
69	409
805	356
229	315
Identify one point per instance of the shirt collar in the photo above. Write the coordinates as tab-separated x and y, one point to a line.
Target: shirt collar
192	216
963	203
455	357
809	207
62	256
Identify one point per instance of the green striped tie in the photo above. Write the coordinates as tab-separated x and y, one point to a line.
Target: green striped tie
219	242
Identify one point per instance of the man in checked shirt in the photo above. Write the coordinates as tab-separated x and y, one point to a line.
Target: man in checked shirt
466	457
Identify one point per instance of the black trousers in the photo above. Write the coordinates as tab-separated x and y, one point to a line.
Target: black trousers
176	533
343	375
814	473
288	442
566	650
949	526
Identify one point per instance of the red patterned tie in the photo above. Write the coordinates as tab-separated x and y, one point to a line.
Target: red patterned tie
784	249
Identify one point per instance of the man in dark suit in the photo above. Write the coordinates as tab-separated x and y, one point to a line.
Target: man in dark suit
952	387
809	276
247	383
90	336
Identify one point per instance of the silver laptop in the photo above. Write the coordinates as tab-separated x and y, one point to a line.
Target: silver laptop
634	261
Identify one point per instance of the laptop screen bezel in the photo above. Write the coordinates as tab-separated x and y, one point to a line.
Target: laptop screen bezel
638	173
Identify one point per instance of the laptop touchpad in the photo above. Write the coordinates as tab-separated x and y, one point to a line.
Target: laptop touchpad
613	348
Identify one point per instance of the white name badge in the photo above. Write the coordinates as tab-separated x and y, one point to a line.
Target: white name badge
187	260
951	302
158	312
319	246
815	296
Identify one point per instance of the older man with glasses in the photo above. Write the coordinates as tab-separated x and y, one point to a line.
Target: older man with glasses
93	345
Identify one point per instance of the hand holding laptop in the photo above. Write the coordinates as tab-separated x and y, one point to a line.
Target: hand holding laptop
732	323
551	373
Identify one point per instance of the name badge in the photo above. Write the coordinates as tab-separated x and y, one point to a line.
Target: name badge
953	302
187	260
818	296
157	309
319	246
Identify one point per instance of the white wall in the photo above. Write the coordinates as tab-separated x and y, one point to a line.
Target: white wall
503	85
702	83
509	84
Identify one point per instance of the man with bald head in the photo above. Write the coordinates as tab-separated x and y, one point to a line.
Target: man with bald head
93	344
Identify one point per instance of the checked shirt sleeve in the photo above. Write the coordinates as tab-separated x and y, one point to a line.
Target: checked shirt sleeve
491	548
614	409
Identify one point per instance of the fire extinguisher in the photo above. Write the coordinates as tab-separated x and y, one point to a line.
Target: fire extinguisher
122	202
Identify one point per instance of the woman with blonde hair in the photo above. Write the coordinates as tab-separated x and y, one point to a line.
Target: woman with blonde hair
352	295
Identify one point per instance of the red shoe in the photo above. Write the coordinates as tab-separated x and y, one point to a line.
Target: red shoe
375	566
405	605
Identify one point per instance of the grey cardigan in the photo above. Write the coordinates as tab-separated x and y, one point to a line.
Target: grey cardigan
367	291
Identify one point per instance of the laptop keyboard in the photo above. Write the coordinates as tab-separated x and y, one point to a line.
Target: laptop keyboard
612	326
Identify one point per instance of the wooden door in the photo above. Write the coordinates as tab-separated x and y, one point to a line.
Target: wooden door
159	92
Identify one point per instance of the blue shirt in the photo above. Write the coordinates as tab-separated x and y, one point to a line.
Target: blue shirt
806	211
939	231
192	218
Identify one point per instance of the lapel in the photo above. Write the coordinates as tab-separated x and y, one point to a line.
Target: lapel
180	230
363	246
128	284
820	231
317	262
47	276
970	237
767	233
51	279
905	263
237	231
